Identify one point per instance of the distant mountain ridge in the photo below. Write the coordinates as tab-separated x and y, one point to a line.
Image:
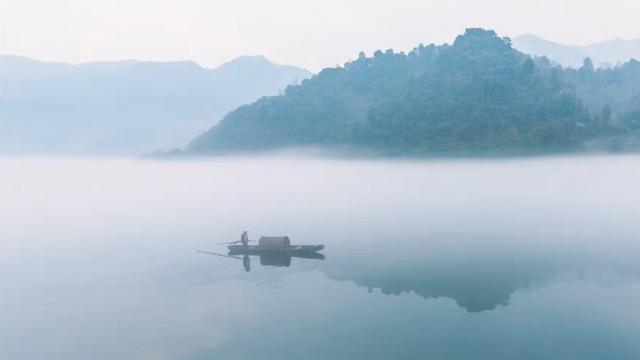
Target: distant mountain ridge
124	107
610	52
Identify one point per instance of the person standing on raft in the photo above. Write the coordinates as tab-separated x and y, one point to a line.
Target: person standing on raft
244	238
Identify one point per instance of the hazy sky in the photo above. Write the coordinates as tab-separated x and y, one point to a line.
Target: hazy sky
312	34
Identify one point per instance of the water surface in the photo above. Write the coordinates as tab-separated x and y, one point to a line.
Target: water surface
491	259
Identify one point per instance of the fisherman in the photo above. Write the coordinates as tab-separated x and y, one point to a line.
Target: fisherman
244	238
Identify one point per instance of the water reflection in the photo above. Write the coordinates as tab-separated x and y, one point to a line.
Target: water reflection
97	262
277	259
477	277
474	288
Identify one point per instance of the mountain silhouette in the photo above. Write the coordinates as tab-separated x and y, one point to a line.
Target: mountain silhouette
124	107
610	52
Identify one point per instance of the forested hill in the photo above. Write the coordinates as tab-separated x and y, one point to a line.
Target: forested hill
478	96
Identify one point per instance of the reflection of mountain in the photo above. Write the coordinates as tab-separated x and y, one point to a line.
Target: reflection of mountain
474	291
476	284
572	295
475	288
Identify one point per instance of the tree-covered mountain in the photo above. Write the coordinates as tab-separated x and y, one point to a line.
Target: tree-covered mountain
124	107
478	96
632	115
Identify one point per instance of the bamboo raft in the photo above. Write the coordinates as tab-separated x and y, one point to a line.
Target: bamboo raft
274	244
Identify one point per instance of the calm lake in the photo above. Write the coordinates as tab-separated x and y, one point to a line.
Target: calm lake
464	259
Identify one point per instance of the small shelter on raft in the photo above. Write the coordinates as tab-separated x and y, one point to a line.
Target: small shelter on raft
273	242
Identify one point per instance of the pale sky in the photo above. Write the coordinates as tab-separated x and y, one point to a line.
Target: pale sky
312	34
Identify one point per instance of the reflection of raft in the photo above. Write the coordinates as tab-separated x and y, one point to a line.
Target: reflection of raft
275	244
277	258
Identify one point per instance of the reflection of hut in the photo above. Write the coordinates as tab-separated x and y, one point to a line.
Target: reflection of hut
273	242
275	258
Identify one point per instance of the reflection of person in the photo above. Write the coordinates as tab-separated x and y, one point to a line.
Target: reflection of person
246	263
244	238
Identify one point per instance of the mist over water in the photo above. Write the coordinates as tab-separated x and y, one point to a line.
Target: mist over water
525	258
